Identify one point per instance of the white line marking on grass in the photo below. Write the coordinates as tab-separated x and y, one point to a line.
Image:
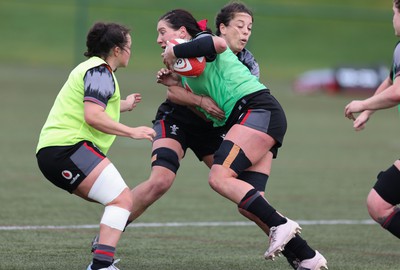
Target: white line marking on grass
189	224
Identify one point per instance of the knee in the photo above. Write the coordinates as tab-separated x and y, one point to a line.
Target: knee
377	207
123	200
216	179
160	184
371	207
213	182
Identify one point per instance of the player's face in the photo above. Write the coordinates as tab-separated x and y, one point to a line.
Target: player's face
237	32
396	20
124	53
166	33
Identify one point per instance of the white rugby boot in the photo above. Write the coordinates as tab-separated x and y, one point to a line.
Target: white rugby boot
279	236
318	262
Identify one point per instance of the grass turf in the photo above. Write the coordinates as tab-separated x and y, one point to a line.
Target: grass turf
323	172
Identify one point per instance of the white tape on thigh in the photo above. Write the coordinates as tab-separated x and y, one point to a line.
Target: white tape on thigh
115	217
108	185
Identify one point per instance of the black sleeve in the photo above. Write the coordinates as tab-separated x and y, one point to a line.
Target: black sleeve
202	46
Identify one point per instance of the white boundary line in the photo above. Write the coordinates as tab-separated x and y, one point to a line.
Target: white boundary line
189	224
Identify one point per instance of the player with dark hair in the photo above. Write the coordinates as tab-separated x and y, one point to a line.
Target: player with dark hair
179	125
82	126
256	125
384	197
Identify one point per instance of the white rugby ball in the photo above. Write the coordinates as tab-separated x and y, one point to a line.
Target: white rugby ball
188	67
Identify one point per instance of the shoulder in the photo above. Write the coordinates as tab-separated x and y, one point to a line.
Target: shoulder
247	58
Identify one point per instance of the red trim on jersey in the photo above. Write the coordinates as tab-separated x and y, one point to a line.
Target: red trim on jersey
92	150
245	117
108	67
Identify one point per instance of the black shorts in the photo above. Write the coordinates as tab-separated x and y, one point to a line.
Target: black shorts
262	112
67	166
190	130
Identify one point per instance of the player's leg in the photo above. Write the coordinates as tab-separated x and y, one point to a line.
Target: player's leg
106	186
259	181
236	154
166	155
83	170
258	178
383	199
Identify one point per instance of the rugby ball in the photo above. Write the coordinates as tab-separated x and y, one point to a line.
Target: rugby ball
188	67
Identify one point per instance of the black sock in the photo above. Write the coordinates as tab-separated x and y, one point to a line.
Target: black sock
258	206
392	223
299	247
103	257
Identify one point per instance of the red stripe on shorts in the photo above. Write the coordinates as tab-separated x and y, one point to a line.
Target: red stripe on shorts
92	150
245	117
162	129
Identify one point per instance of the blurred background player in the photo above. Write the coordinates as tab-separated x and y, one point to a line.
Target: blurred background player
81	128
384	197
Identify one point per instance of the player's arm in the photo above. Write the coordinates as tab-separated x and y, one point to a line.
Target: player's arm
202	46
96	117
130	102
99	88
181	96
385	98
361	120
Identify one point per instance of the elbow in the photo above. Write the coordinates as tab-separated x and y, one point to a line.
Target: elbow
219	44
90	120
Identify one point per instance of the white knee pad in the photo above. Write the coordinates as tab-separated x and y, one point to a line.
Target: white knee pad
115	217
108	185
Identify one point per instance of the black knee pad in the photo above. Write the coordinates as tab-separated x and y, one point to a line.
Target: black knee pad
166	158
388	185
231	156
256	179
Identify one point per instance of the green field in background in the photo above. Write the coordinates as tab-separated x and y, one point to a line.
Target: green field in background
323	172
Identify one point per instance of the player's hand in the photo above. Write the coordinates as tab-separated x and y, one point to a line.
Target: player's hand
355	106
168	56
211	107
167	77
130	102
143	132
360	122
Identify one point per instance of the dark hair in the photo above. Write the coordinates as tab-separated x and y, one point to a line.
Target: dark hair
102	37
226	14
397	4
180	17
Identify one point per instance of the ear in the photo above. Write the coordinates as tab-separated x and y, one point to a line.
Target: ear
222	28
116	50
183	33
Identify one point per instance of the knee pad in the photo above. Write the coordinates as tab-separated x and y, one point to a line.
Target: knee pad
256	179
115	217
231	156
108	185
388	185
166	158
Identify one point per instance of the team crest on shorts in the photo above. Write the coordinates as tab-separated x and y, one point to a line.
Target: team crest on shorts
66	174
